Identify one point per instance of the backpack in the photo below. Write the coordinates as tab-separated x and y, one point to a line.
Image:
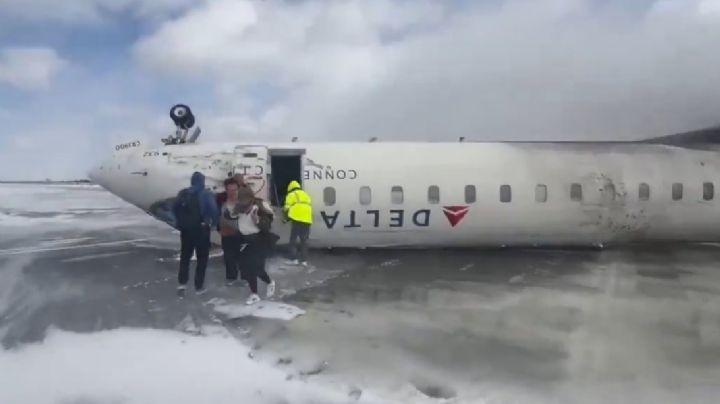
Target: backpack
267	238
265	218
187	210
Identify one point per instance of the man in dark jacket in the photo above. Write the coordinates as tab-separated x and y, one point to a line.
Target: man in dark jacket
195	215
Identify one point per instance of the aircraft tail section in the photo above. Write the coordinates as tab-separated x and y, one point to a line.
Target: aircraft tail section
696	138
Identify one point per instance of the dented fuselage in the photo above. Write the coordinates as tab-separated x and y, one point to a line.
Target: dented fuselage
452	194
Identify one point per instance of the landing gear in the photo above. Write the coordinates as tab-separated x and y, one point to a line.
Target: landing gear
184	120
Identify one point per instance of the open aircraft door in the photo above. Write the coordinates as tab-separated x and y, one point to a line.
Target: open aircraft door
252	162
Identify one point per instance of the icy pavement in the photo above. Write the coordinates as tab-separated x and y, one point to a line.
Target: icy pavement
88	311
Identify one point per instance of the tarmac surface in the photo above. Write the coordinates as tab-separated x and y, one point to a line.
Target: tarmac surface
82	274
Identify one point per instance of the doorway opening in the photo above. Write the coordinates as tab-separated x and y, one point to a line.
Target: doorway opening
285	168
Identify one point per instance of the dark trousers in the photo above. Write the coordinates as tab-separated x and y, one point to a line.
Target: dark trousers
194	240
299	234
231	246
252	262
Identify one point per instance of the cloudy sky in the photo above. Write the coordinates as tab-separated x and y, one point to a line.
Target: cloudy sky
78	76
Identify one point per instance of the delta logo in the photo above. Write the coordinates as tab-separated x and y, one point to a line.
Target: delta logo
455	214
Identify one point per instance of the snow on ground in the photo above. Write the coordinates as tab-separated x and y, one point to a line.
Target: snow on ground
36	210
544	328
152	366
263	309
53	198
126	365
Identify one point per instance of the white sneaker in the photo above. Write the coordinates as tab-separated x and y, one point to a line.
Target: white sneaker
181	291
304	263
252	299
295	262
270	291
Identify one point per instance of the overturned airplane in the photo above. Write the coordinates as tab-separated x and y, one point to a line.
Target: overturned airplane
464	194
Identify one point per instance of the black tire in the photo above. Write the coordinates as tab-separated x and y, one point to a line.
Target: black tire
182	116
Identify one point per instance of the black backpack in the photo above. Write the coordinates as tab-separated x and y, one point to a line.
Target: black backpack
265	218
267	238
187	210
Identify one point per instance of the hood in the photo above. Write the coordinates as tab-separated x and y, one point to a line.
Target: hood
293	185
197	181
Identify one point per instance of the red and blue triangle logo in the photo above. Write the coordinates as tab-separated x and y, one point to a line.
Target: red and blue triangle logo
455	214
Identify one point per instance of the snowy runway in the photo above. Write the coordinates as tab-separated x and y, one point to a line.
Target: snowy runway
87	304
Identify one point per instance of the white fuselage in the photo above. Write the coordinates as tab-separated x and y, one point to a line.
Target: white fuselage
455	194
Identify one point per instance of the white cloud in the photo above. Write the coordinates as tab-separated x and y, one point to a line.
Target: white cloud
72	138
397	69
88	11
50	151
23	143
285	42
565	69
709	7
29	68
62	132
701	8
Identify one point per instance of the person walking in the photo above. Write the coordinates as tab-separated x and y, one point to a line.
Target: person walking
252	264
195	215
230	236
298	209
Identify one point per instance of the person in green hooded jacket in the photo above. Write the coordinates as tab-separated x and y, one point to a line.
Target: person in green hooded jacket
298	209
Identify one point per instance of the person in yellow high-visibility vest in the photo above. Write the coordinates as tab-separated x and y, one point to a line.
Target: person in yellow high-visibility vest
298	209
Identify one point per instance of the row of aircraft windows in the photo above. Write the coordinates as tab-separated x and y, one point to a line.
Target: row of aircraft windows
541	193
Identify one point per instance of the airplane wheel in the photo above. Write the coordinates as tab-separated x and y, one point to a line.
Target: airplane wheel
182	116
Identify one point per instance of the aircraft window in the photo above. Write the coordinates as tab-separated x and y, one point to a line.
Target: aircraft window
644	192
396	195
329	196
677	191
708	191
434	194
505	193
576	192
365	195
609	192
470	194
541	193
